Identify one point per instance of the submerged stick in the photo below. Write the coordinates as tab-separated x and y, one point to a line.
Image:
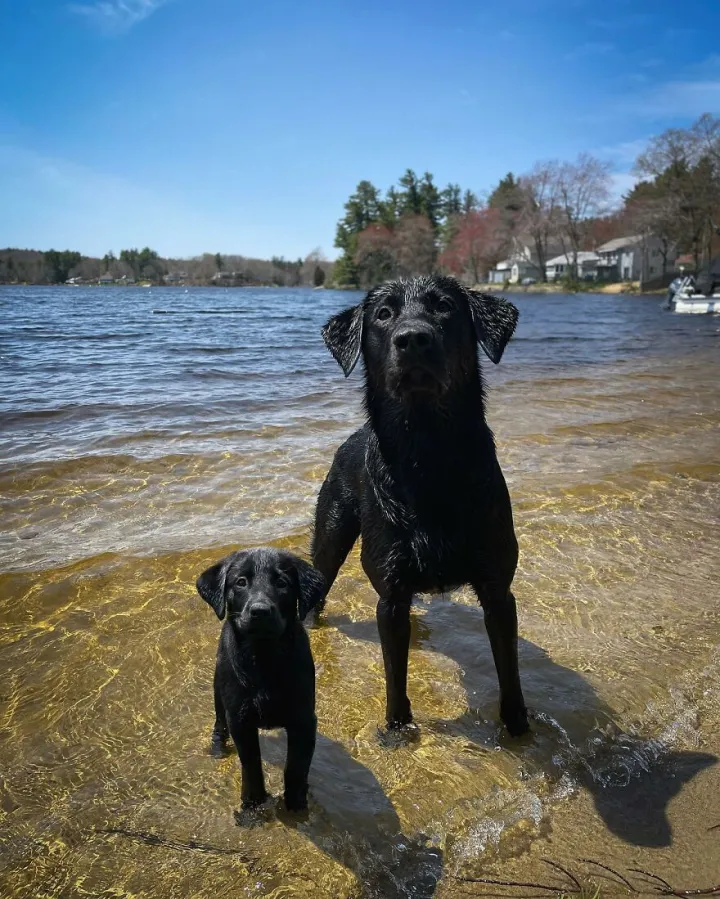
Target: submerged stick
153	839
517	883
621	878
571	877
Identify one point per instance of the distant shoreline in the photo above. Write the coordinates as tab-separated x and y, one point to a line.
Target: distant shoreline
624	288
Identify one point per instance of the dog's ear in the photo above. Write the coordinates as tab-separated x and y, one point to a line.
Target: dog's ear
343	337
312	587
495	320
211	586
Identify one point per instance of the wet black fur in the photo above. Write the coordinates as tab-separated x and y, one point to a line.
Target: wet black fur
421	481
264	673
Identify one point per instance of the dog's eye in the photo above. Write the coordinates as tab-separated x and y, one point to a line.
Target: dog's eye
241	582
384	313
444	306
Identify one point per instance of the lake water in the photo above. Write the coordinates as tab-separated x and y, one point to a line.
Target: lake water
144	433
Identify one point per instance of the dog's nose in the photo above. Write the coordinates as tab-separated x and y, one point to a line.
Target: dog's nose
412	337
258	612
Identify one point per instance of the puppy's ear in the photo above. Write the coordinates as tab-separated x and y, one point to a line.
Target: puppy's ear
343	337
312	587
495	320
211	586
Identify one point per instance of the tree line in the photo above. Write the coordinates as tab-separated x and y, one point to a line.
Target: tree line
555	208
416	226
146	265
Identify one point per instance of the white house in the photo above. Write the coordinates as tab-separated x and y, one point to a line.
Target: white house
513	270
522	263
635	258
562	266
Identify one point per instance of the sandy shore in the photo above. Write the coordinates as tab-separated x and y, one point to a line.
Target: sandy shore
622	287
664	821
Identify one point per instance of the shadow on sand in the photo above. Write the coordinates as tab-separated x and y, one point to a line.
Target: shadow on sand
573	729
351	819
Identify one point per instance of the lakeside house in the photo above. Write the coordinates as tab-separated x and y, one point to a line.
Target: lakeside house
635	258
106	278
176	278
562	266
521	263
513	270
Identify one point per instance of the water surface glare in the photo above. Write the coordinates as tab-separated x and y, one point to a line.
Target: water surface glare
143	433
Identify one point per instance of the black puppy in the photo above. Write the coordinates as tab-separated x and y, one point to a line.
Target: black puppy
265	675
421	481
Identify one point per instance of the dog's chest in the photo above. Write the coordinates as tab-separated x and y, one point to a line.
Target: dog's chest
436	549
270	705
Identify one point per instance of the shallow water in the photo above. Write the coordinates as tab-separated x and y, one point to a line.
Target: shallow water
143	433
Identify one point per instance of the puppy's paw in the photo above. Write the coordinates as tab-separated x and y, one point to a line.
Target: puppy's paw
218	744
515	720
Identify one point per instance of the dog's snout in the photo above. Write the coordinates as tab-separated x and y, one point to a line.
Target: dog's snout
413	336
259	612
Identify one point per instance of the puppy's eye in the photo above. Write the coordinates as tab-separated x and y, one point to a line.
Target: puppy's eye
444	306
241	582
384	313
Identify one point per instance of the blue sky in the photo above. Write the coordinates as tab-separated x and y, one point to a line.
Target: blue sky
222	125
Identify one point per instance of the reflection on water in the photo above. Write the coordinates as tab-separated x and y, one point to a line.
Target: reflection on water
137	448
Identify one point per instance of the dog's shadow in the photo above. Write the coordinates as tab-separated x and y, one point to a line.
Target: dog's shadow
572	729
351	819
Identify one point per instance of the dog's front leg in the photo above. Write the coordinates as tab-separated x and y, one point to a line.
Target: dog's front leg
300	749
501	624
393	621
220	730
247	741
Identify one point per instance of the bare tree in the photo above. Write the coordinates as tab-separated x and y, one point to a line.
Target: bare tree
684	164
583	193
315	259
540	215
655	216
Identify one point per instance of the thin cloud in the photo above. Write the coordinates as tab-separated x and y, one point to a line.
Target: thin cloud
625	153
591	48
690	94
117	16
685	99
621	22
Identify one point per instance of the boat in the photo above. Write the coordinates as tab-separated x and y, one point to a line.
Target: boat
683	296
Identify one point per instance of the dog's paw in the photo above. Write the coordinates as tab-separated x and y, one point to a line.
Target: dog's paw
253	802
253	815
395	735
218	745
399	715
516	721
296	801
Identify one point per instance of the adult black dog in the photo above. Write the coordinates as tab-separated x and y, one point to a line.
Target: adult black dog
265	674
421	481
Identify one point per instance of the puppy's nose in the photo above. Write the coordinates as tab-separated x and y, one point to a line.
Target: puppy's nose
412	337
258	612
